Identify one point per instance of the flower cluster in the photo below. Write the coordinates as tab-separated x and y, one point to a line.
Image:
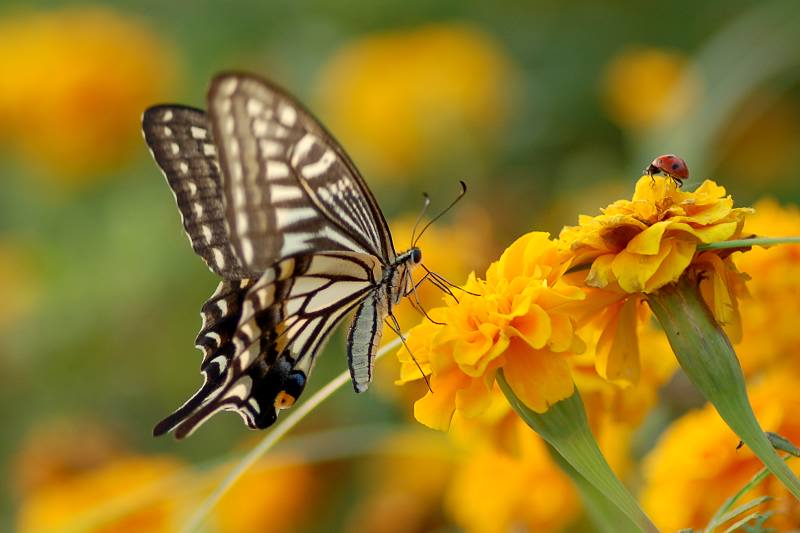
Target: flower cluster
517	319
697	463
635	247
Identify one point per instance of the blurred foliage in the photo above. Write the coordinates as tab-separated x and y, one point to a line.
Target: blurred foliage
547	109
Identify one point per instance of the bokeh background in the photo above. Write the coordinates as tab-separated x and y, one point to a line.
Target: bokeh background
546	109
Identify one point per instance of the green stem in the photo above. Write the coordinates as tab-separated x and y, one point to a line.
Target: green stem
270	439
604	514
564	426
746	243
706	355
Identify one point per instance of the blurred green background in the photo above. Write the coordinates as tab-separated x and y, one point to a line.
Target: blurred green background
546	109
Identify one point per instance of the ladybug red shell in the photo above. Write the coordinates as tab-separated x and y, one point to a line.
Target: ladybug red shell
669	165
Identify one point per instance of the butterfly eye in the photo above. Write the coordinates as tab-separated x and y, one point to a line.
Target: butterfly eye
416	255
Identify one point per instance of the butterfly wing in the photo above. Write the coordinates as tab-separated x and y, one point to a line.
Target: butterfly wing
283	321
182	145
288	186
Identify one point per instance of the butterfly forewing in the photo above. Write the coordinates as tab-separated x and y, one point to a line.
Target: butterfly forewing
181	144
276	159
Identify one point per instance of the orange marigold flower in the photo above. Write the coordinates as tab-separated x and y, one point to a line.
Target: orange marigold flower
66	502
495	491
775	289
637	246
267	498
444	89
73	86
637	99
517	321
696	465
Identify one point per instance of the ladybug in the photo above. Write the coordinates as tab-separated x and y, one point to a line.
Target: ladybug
669	165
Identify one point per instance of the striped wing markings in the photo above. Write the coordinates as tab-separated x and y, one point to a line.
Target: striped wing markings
259	126
182	146
331	186
286	318
220	315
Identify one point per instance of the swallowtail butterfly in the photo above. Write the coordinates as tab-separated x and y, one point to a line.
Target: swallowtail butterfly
273	205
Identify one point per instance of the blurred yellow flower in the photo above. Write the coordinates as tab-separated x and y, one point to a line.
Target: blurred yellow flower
82	446
86	499
769	318
639	87
268	498
401	99
495	491
517	320
637	246
403	485
696	464
74	84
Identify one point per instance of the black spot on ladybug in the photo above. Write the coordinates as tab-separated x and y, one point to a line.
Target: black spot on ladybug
675	166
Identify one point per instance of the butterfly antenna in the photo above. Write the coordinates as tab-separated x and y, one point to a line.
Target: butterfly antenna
425	205
417	304
442	281
445	210
396	329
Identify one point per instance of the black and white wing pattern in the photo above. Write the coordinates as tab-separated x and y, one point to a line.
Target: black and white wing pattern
261	365
272	204
289	187
180	141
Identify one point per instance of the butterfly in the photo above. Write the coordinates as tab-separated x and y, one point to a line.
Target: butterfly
272	204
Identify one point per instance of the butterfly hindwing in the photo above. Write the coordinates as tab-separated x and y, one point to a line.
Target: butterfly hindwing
285	318
220	314
289	188
181	143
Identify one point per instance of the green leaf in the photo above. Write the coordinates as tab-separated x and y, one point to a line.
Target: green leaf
564	426
706	355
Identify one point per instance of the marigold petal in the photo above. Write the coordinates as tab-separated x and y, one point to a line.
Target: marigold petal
436	408
534	327
633	270
717	232
600	274
476	398
618	346
679	257
539	378
648	242
562	336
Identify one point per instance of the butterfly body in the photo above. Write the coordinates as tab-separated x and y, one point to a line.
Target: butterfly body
272	204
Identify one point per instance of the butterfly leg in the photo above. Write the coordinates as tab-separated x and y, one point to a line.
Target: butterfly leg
395	327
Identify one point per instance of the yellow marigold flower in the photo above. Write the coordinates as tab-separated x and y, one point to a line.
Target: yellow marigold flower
637	246
401	99
494	491
82	446
61	504
268	498
696	464
518	321
403	484
775	289
639	87
74	84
